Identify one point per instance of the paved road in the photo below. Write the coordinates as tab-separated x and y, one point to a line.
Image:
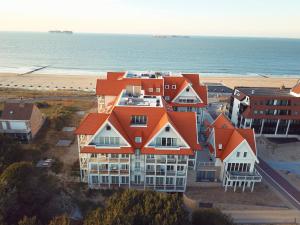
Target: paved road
31	100
281	184
264	216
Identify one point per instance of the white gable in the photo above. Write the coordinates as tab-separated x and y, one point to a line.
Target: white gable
107	130
243	148
171	133
187	93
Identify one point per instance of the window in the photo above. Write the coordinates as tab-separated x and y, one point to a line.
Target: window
95	179
166	141
109	140
108	127
180	181
167	86
138	120
125	156
114	156
137	166
180	168
124	167
93	155
150	89
124	180
187	89
167	129
169	180
159	180
138	139
245	154
104	179
114	180
94	166
157	90
174	86
238	154
149	180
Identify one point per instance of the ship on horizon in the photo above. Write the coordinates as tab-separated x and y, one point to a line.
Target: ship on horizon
61	31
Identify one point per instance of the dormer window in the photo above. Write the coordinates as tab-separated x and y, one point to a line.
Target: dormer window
108	127
150	89
187	89
157	90
167	86
138	120
174	86
167	129
138	139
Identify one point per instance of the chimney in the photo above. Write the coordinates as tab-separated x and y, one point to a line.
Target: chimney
220	146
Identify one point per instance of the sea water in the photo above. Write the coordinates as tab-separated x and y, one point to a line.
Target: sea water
89	54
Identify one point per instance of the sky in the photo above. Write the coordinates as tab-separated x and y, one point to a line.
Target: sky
266	18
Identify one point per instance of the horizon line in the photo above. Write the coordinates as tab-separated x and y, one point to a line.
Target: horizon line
153	34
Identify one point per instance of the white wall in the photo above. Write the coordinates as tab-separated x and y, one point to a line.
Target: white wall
169	134
243	147
191	94
18	125
235	110
108	133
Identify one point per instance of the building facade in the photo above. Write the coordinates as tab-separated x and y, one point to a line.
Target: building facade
145	135
272	112
233	154
21	121
139	142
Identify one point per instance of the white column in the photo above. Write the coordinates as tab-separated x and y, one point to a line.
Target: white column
244	186
235	186
278	121
262	126
252	186
251	122
288	127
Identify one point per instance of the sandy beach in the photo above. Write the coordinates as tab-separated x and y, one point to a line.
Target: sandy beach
88	83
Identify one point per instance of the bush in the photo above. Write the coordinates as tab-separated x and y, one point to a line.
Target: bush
210	217
141	207
57	166
29	221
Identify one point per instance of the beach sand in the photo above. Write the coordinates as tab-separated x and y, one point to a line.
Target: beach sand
88	83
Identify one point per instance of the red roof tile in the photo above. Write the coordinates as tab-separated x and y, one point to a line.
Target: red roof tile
91	123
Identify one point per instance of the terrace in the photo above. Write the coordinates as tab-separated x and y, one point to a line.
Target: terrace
139	99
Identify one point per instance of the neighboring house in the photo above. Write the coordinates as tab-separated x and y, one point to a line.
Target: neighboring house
138	144
182	92
272	112
218	90
21	121
233	153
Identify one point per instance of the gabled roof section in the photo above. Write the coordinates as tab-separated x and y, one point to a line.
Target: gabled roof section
91	123
296	89
222	122
227	137
181	82
17	111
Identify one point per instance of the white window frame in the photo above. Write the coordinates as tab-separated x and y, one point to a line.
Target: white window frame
174	86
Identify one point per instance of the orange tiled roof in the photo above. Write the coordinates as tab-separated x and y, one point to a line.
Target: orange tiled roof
296	88
120	118
230	137
91	123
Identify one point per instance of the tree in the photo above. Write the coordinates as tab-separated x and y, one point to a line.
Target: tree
23	190
10	151
60	220
94	217
210	217
29	221
132	207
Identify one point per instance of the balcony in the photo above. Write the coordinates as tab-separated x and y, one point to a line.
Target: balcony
181	173
124	172
243	176
150	160
160	173
171	161
124	160
161	160
171	173
150	172
182	161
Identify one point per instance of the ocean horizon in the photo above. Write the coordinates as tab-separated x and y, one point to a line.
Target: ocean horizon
95	54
